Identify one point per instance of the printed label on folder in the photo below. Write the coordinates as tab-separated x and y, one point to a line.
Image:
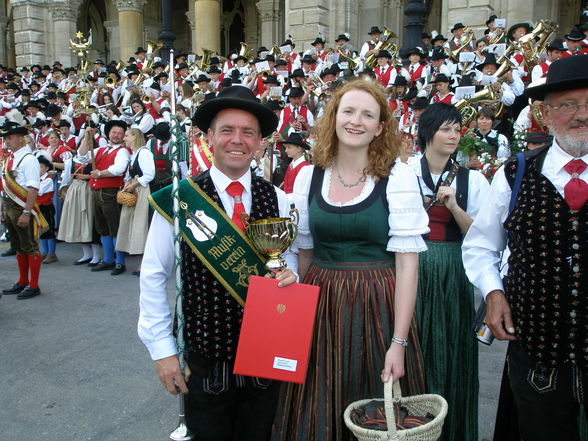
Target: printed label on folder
285	364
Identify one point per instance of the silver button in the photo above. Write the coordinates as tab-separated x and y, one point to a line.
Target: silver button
576	269
576	246
575	224
572	356
573	314
574	292
572	335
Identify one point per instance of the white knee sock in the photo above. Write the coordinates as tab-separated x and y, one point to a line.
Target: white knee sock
95	253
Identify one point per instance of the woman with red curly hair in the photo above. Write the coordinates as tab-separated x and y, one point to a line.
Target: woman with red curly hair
361	220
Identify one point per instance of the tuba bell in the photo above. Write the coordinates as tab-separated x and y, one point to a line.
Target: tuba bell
464	41
465	105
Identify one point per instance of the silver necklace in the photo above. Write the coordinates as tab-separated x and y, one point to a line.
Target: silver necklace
344	184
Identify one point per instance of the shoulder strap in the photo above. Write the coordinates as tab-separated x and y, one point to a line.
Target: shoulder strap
516	186
316	182
463	182
22	159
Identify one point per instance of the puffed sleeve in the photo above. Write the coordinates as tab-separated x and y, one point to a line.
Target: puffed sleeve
408	219
300	200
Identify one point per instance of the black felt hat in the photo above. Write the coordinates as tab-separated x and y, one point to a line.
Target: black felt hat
52	110
384	54
342	37
400	81
457	26
564	74
202	78
63	123
490	58
296	92
491	19
515	26
140	50
114	123
441	78
556	44
12	128
295	139
538	137
161	131
308	59
318	40
438	54
236	97
375	30
420	103
574	35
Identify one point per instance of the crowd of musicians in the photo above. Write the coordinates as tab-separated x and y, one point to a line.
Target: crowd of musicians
77	163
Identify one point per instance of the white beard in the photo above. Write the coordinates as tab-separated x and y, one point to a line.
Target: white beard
574	146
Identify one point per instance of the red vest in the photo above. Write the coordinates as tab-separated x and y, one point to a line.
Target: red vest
520	59
290	176
260	88
72	143
383	78
544	68
288	117
43	139
418	72
103	161
56	156
446	100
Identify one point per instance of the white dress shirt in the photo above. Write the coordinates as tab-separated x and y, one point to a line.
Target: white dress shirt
28	172
486	238
407	220
146	163
45	184
121	161
155	319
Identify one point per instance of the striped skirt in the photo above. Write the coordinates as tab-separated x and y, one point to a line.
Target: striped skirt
445	313
353	330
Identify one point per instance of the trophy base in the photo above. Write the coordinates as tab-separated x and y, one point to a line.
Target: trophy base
275	265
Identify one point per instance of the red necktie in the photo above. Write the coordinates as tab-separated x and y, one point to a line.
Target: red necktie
576	190
235	189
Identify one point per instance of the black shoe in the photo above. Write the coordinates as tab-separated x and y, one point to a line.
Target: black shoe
103	266
16	289
28	292
93	264
8	252
118	269
82	262
136	273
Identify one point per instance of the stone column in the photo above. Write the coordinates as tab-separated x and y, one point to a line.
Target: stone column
207	26
29	19
3	41
191	24
269	13
130	26
64	27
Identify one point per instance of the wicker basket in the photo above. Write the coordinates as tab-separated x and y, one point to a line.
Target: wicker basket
126	198
416	405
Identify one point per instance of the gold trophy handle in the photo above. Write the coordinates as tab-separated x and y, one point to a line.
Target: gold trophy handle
294	216
295	219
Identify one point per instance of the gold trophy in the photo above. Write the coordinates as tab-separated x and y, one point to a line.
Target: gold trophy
271	237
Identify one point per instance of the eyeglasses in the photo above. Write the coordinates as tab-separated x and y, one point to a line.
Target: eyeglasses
569	107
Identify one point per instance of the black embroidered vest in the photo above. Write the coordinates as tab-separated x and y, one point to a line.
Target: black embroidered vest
546	281
212	315
135	168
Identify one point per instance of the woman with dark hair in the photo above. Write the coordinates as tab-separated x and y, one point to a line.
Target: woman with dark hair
452	196
361	220
141	119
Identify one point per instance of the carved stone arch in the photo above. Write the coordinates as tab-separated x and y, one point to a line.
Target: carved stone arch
93	15
239	22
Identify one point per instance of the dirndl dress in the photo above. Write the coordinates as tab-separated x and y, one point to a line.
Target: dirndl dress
134	224
77	215
354	267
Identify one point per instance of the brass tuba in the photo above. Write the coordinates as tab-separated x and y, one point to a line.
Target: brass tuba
531	50
466	108
383	45
464	41
352	62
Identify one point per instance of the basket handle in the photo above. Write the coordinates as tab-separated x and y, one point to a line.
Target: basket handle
392	393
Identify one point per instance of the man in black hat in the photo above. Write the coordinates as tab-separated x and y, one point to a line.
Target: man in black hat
342	44
537	140
220	406
383	70
140	55
573	40
295	117
106	179
319	46
70	140
554	51
20	183
457	30
409	121
541	307
368	48
488	68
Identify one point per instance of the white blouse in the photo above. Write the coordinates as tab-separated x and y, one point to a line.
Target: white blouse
478	188
407	219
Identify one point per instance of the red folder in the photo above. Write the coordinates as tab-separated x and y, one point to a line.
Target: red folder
276	333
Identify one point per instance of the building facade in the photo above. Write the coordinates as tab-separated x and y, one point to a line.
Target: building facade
38	31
